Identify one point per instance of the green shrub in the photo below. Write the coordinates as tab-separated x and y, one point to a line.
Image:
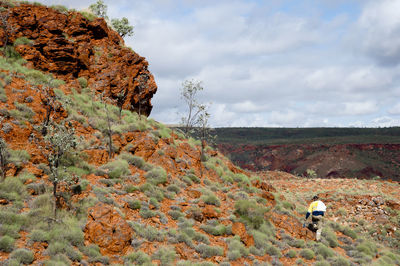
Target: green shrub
173	188
261	240
166	255
349	232
297	243
23	41
22	255
322	263
216	230
324	251
308	254
339	261
211	199
330	237
250	212
18	157
368	247
82	82
156	176
6	243
11	230
206	251
38	235
148	232
291	254
192	263
12	189
134	204
129	188
137	161
11	218
3	95
117	168
87	15
38	188
273	251
93	252
138	258
146	213
236	249
175	214
22	112
193	178
59	247
60	8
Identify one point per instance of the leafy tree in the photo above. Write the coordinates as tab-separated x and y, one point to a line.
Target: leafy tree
122	27
99	9
204	132
189	91
59	141
121	97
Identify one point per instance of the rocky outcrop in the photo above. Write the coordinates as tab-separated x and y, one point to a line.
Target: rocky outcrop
70	46
108	229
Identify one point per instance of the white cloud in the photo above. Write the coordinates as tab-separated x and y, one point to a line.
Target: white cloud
379	26
359	108
395	110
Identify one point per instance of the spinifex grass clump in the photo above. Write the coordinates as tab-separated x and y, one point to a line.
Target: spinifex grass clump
250	212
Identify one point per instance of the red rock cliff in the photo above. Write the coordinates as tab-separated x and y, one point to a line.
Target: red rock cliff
71	46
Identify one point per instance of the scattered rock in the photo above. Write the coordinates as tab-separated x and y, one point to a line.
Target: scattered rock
3	201
240	230
393	205
194	194
209	212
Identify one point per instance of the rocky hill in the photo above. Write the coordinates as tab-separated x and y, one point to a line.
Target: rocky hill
363	161
327	152
88	179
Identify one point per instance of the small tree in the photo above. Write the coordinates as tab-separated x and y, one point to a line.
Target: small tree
60	140
99	9
121	97
4	155
189	91
122	27
7	27
50	102
204	129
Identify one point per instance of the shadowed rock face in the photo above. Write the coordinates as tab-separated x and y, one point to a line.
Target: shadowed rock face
70	46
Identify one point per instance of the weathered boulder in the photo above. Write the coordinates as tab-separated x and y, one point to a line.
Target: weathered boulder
209	212
240	230
106	228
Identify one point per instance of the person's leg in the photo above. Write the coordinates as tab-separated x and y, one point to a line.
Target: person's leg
319	229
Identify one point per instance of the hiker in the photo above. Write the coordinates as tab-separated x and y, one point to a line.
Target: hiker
316	210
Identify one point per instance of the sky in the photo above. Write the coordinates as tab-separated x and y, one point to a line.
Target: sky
275	63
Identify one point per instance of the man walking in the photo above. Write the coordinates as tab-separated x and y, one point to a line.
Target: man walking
317	211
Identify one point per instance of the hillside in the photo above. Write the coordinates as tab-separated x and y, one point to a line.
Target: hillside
330	152
86	180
